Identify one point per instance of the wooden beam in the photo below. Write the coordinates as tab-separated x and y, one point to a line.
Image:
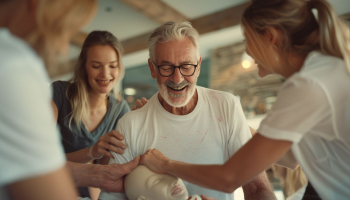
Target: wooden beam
346	18
213	22
155	10
136	43
61	68
219	20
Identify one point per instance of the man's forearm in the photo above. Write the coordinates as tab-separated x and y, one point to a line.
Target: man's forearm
262	195
85	175
259	188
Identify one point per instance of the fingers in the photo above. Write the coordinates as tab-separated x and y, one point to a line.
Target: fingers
207	197
144	100
110	141
116	134
139	103
134	163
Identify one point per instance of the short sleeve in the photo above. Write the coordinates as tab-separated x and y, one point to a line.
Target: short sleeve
300	105
239	128
29	141
127	155
59	93
120	159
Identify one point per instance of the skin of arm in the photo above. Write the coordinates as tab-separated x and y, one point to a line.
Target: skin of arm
107	177
258	153
83	155
259	188
288	160
56	185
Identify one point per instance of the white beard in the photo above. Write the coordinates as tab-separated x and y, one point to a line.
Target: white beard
176	100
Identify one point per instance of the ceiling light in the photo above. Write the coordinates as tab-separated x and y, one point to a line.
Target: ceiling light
246	60
130	91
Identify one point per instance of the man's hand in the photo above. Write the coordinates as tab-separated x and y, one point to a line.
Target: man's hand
112	176
154	160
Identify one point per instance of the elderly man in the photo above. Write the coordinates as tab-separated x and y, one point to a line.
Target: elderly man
186	122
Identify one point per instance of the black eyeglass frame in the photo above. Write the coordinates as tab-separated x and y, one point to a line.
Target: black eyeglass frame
174	67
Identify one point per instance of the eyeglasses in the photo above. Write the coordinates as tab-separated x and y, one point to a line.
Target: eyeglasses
168	70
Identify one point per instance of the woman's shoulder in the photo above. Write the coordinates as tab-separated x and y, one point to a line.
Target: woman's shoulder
59	84
119	104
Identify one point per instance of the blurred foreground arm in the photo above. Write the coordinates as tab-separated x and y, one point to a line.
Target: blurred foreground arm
55	185
107	177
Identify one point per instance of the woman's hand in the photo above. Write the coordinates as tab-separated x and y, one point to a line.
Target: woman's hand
154	160
207	198
109	141
140	103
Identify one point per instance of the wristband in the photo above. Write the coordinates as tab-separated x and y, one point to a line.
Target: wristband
90	153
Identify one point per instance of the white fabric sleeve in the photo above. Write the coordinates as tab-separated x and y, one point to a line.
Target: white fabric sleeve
29	141
300	105
120	159
239	132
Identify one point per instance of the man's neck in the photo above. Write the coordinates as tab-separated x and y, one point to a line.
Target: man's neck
188	108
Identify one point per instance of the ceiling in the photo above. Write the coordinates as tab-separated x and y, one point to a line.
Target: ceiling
132	21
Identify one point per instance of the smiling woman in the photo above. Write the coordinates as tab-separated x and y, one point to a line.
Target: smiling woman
88	107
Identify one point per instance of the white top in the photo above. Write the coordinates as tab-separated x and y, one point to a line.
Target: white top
210	134
29	142
298	195
313	111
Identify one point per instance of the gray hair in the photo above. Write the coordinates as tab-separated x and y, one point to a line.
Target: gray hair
172	31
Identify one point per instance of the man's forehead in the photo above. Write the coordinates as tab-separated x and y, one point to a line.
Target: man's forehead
179	51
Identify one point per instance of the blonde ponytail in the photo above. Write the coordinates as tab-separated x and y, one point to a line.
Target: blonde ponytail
334	35
302	32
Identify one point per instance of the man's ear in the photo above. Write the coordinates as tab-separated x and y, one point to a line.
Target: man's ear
199	65
151	67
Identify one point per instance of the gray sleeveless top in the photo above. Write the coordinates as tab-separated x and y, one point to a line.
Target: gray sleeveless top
79	138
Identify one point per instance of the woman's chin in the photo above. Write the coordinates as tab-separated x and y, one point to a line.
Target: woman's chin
264	73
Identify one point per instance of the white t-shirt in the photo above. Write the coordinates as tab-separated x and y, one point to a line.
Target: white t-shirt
210	134
298	195
29	141
313	111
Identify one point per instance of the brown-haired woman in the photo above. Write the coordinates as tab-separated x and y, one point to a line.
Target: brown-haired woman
89	106
312	113
32	33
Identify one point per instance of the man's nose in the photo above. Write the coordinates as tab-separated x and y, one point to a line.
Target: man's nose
177	76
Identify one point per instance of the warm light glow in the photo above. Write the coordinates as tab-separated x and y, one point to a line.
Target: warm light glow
130	99
246	64
130	91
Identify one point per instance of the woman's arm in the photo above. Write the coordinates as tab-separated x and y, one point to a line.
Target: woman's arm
288	160
56	185
109	141
253	158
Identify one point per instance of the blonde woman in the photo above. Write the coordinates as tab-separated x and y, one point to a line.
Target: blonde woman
32	33
293	182
312	113
88	107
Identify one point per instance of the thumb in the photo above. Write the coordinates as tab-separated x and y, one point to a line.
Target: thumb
132	164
